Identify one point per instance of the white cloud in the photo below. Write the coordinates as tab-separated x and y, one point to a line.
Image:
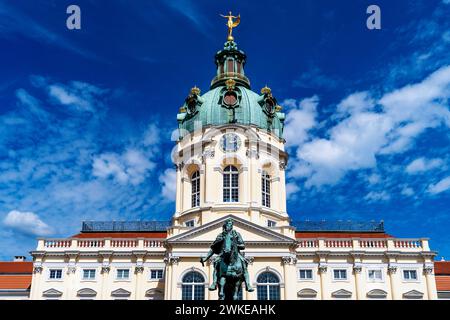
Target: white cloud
27	222
374	196
365	133
169	183
407	191
291	189
300	118
439	187
423	164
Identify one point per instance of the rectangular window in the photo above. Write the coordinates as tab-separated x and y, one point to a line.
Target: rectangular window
410	274
123	274
271	223
88	274
156	274
375	275
55	274
305	274
189	223
340	274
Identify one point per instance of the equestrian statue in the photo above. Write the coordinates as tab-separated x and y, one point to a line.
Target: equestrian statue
230	266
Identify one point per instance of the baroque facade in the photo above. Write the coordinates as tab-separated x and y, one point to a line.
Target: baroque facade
230	163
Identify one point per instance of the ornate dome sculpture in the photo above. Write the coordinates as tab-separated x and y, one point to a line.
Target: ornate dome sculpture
230	99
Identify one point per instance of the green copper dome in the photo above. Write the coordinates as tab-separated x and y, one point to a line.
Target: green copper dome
230	99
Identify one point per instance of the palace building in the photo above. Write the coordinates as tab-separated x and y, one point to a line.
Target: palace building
230	163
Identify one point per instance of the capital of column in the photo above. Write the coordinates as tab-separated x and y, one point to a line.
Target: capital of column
392	269
71	270
428	270
105	269
139	269
37	269
323	268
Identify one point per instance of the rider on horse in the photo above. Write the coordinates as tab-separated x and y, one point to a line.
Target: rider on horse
218	248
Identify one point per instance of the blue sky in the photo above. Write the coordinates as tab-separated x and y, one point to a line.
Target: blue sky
86	116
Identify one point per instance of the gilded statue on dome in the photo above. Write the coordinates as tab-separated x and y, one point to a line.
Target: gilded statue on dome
232	24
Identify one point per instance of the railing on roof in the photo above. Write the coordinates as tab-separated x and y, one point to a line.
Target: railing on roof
341	226
124	226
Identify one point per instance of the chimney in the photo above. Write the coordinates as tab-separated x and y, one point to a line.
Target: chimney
19	258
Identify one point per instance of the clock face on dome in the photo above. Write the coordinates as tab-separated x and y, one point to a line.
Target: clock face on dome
230	142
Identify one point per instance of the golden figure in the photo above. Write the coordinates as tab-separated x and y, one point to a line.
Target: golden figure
232	24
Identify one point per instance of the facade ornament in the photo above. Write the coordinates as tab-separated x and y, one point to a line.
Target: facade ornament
171	260
282	165
71	270
252	154
357	268
37	269
286	260
209	154
179	166
231	84
289	260
428	269
105	269
392	269
323	268
139	269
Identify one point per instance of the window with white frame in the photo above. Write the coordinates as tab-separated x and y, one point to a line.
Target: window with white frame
271	223
265	189
375	274
55	274
410	275
189	223
123	274
340	274
230	184
305	274
156	274
195	182
88	274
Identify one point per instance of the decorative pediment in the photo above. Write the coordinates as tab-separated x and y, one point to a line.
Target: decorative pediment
120	293
155	294
377	294
342	293
413	294
251	232
86	292
52	293
307	293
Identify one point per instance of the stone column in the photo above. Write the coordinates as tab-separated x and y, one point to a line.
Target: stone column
431	282
357	268
36	282
103	294
322	273
289	263
392	270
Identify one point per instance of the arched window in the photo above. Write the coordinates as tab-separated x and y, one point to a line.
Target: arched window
265	189
268	286
195	182
193	286
230	184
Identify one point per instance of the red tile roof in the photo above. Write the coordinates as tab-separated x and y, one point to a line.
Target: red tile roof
442	267
16	267
443	283
15	282
101	235
341	235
